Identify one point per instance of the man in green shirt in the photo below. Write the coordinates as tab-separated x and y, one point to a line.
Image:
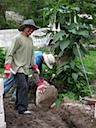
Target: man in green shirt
19	57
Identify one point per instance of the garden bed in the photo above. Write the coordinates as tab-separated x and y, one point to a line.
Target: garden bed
69	114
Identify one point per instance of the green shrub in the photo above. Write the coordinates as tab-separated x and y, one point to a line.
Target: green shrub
72	85
12	24
2	57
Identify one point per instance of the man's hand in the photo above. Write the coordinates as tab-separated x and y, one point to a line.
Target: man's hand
41	88
7	71
35	68
46	83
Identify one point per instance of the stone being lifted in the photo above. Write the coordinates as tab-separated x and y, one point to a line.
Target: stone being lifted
46	98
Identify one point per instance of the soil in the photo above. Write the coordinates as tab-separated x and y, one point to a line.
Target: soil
69	114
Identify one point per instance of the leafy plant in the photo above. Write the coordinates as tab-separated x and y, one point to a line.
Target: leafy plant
70	34
68	94
2	57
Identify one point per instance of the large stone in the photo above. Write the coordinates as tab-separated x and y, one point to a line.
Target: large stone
7	36
47	98
11	15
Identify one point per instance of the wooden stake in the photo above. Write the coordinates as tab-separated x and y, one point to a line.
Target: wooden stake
95	111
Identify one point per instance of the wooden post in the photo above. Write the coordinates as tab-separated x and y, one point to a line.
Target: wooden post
95	111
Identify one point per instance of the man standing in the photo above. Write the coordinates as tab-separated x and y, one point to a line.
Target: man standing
20	56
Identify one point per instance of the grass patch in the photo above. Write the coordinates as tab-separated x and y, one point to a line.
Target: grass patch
90	63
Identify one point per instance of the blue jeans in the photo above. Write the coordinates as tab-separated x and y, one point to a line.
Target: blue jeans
8	84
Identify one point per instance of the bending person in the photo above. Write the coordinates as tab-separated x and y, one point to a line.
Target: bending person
40	58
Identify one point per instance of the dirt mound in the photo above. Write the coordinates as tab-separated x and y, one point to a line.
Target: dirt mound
70	114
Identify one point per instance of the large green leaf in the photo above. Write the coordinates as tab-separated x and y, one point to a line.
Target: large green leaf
64	44
56	44
70	95
72	26
76	8
75	76
84	33
66	67
75	51
73	31
61	65
72	64
58	102
61	53
59	35
84	49
59	71
70	80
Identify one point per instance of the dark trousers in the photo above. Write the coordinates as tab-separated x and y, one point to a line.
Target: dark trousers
21	81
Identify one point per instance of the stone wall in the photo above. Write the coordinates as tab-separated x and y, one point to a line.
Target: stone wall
6	37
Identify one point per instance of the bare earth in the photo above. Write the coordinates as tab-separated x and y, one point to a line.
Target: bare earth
69	114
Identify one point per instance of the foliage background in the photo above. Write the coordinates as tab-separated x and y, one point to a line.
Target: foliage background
33	9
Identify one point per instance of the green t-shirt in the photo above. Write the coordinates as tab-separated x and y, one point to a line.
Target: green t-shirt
21	54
